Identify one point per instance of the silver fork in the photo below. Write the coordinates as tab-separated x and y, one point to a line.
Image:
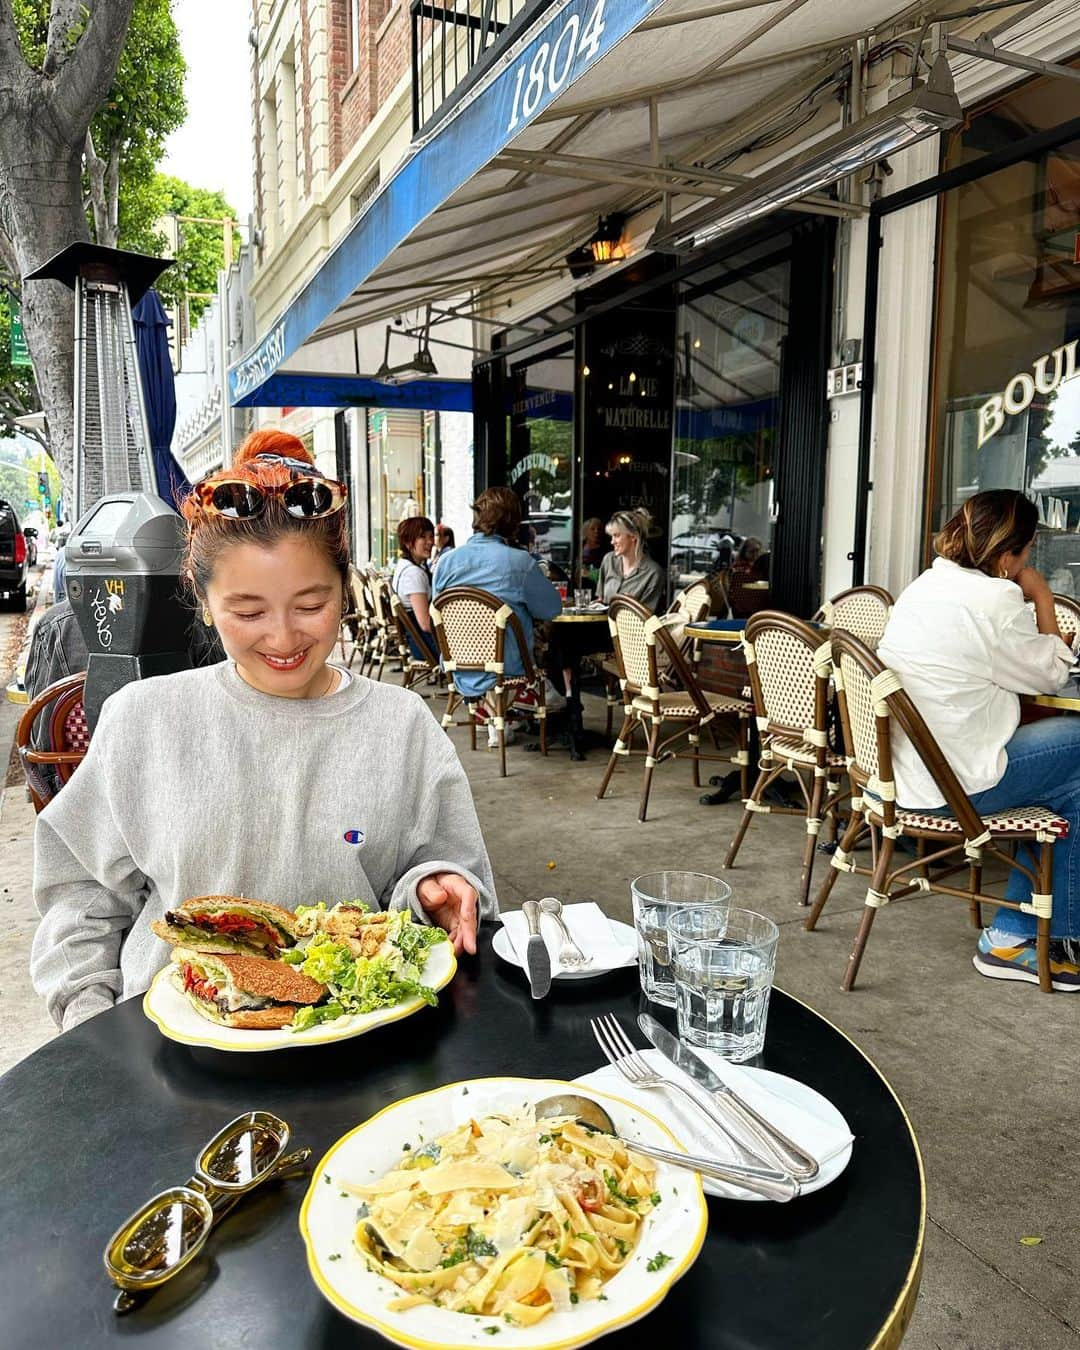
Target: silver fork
570	955
621	1052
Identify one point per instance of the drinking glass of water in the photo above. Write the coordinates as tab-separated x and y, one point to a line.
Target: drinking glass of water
657	896
582	599
723	966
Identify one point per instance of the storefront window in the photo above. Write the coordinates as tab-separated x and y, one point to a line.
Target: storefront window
540	447
1006	396
731	325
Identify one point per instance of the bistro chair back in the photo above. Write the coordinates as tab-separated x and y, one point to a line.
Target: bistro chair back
356	621
874	709
417	663
383	628
790	668
644	651
862	610
692	604
471	627
1067	614
67	738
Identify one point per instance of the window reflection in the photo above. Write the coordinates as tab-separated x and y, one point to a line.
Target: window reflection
1007	405
731	326
540	444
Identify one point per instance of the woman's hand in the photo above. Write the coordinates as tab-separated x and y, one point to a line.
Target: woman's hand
1033	584
450	902
1037	590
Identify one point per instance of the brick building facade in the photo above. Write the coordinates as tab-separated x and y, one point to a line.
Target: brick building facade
332	117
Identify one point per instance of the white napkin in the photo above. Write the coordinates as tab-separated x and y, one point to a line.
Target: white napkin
588	925
814	1124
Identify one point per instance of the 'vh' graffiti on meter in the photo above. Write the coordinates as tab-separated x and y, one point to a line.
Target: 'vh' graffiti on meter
1022	388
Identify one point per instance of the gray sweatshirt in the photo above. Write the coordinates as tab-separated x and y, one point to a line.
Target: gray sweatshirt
197	784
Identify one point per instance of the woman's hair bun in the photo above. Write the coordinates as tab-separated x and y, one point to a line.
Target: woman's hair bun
271	442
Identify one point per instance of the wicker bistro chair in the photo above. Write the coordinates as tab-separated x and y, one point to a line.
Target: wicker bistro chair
790	670
691	605
862	610
356	622
872	704
383	632
643	648
470	628
68	738
415	669
1067	614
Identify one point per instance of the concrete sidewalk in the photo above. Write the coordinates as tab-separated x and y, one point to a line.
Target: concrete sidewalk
987	1070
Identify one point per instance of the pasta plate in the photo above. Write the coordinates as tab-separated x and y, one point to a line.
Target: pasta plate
175	1018
672	1233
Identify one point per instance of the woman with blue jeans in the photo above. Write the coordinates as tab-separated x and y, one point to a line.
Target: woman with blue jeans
965	643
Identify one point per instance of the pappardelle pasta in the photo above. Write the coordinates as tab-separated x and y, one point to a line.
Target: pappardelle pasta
506	1216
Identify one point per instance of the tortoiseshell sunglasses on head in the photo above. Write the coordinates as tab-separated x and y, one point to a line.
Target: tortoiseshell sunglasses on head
307	496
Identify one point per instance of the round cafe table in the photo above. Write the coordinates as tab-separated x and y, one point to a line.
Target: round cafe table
106	1115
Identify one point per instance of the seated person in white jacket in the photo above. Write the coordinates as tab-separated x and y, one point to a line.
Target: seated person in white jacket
966	645
272	775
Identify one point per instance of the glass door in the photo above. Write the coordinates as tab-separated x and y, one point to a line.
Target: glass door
731	326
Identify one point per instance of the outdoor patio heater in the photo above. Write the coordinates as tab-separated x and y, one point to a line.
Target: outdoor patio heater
112	442
124	553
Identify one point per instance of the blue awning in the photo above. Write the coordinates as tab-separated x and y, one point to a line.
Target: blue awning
577	35
563	128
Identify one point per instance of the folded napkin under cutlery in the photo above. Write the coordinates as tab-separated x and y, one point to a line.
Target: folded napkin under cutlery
589	927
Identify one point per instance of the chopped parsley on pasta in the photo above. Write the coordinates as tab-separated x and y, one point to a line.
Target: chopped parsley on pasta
506	1216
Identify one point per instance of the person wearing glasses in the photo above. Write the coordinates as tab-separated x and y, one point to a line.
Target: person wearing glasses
274	775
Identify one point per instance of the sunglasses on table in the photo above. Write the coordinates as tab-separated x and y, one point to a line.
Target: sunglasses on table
309	495
166	1233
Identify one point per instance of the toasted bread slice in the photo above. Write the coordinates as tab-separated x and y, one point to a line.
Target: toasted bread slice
258	976
283	919
276	1016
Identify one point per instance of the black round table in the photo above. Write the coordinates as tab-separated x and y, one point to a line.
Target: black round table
104	1116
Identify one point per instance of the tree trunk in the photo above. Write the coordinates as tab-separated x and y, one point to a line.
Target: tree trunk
41	210
44	118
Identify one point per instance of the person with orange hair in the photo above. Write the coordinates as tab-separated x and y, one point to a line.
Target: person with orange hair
274	774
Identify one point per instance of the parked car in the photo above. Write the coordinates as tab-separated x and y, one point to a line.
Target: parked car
15	557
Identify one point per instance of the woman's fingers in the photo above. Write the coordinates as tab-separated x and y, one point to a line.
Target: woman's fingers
452	903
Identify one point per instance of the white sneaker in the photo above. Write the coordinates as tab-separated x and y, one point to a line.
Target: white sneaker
493	736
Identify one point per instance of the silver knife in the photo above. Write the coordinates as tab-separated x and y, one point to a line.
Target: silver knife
778	1148
537	960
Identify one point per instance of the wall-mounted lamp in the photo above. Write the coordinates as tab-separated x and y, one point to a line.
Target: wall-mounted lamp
605	246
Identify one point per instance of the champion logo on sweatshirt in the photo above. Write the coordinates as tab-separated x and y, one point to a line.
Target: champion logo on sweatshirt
354	837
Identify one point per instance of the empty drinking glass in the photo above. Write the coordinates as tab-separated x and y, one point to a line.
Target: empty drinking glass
723	965
656	896
582	599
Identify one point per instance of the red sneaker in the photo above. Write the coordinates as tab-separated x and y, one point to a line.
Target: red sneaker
526	700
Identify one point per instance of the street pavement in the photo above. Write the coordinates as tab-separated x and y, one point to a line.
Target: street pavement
985	1069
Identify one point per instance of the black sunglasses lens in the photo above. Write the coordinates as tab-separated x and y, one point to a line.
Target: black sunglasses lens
239	500
308	498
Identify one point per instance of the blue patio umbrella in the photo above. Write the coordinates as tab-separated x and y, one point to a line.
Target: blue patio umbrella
159	391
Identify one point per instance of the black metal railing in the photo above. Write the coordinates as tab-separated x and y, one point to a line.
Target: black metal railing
454	42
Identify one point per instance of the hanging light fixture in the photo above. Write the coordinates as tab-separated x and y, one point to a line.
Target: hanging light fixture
421	367
605	246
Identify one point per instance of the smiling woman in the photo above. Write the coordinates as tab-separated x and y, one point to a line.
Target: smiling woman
273	775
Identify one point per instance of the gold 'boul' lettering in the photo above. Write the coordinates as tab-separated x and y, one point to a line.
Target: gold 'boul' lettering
1021	389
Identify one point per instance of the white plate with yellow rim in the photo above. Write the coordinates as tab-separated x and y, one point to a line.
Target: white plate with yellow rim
328	1218
167	1006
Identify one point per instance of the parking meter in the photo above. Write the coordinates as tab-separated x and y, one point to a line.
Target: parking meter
123	581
